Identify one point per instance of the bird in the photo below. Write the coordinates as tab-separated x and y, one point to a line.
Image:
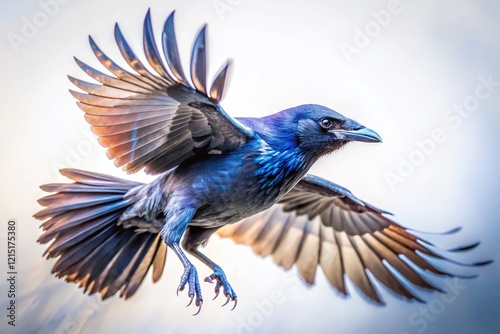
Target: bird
243	178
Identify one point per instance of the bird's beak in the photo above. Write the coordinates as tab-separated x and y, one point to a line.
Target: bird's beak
362	134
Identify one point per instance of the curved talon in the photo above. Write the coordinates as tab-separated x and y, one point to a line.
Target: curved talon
235	303
221	282
190	277
217	290
227	301
199	303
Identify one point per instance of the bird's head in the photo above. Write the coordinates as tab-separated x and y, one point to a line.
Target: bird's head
314	129
322	130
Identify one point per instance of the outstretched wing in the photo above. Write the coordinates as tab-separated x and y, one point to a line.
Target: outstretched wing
157	119
319	223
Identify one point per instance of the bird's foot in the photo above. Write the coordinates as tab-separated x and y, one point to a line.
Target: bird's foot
190	277
221	281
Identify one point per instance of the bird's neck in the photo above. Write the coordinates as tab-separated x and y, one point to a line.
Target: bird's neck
274	130
281	161
279	171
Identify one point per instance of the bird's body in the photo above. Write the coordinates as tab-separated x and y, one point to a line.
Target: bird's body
210	186
227	188
245	178
224	189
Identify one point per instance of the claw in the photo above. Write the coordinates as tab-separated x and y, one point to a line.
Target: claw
216	294
217	290
221	282
179	288
190	277
192	297
199	303
227	301
235	303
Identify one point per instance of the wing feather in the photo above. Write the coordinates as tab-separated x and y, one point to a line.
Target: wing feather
134	62
169	43
119	72
154	119
308	259
159	261
217	90
151	51
287	251
199	63
331	260
319	223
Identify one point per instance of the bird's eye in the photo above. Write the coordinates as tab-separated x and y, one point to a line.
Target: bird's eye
326	123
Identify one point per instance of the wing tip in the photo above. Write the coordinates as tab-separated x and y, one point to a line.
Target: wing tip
91	40
171	16
203	30
219	83
170	51
464	248
482	263
72	79
198	65
451	231
75	94
120	39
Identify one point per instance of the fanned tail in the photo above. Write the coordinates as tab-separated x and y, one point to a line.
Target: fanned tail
93	249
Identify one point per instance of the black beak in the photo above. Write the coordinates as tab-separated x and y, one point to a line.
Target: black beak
362	134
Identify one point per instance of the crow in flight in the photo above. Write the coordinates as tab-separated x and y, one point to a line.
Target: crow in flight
245	178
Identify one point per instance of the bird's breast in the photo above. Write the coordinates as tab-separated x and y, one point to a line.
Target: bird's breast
231	187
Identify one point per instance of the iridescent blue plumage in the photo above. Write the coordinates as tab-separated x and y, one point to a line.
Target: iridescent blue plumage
277	167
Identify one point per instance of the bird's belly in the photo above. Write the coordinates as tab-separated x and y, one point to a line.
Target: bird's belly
231	201
227	188
228	191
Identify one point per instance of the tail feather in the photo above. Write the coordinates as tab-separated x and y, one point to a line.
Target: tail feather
111	265
73	187
79	233
142	269
126	266
76	201
93	250
93	178
159	261
64	221
68	262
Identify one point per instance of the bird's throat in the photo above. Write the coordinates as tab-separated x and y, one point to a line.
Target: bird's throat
278	172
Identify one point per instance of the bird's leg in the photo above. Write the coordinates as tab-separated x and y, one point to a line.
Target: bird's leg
190	277
220	278
171	234
194	237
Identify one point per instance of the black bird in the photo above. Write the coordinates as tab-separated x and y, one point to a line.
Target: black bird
246	178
